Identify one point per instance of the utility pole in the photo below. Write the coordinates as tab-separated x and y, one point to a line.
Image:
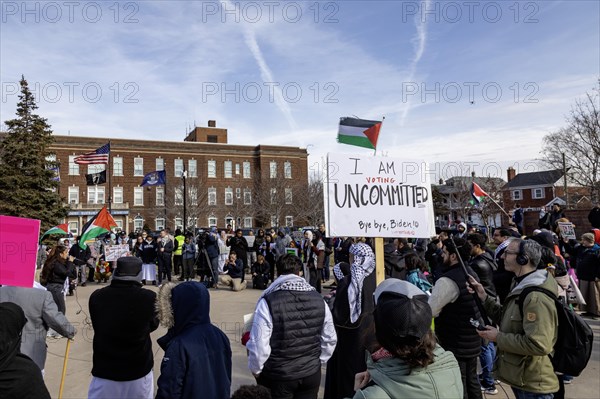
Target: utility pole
183	176
564	167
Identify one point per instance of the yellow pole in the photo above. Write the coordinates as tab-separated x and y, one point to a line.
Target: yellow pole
64	371
379	263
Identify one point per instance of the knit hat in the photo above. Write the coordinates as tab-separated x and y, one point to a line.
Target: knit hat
128	266
401	311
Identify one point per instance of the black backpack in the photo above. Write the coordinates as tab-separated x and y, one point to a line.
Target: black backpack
573	346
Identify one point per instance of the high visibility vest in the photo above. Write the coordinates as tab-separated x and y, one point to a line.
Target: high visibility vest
180	241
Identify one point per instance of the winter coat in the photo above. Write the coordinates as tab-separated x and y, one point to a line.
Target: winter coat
393	378
587	261
197	361
415	277
524	342
594	217
485	267
60	272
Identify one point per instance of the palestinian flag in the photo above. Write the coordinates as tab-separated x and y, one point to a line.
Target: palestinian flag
477	193
62	229
101	223
359	132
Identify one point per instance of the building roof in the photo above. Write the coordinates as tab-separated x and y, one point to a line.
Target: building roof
459	183
544	178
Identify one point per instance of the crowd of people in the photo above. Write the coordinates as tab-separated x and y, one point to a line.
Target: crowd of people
449	303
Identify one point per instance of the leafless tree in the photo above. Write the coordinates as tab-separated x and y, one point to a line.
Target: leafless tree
579	141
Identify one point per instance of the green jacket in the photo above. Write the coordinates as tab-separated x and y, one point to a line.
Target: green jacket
394	379
524	342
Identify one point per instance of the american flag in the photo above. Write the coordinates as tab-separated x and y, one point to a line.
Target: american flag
95	157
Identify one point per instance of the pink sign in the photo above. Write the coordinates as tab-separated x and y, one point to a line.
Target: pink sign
18	250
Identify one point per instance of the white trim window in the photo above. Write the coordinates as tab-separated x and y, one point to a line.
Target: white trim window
229	196
73	195
117	195
273	170
212	221
159	223
138	223
179	223
178	167
160	164
117	166
178	196
138	166
160	196
95	168
95	195
537	193
289	221
227	165
212	196
212	169
287	170
193	195
73	167
516	195
274	221
288	196
246	170
138	196
74	227
273	195
248	222
247	196
192	168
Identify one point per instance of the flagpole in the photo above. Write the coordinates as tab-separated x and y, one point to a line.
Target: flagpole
109	179
165	193
382	119
498	205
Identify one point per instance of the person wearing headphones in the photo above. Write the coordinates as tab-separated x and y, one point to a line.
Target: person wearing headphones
523	342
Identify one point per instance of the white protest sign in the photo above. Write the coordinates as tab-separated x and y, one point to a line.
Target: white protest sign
369	196
567	230
114	252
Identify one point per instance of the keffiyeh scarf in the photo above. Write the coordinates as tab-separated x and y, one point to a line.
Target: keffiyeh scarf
288	282
362	266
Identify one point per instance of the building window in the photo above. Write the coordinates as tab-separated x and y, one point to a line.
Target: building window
273	195
117	195
178	196
229	220
273	170
193	195
179	223
192	168
212	168
248	222
212	196
117	166
138	166
138	223
160	196
274	221
192	222
238	193
227	165
229	196
95	195
96	168
517	194
74	227
119	223
212	221
247	196
287	170
289	221
211	138
159	223
73	167
246	170
537	193
138	196
178	167
237	168
288	196
160	164
74	195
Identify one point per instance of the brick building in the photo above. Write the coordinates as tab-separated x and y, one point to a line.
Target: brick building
246	186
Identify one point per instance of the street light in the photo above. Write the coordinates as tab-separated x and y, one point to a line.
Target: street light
183	176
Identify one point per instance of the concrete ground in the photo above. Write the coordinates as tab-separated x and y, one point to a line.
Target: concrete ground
227	310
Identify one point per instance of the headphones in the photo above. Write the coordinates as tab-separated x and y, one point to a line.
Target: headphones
522	259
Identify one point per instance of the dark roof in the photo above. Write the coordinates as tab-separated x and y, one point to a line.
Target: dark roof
460	183
545	178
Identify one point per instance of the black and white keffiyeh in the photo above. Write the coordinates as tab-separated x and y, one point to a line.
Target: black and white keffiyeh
362	266
337	272
288	282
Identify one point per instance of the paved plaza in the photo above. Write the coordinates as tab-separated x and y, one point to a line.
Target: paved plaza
227	310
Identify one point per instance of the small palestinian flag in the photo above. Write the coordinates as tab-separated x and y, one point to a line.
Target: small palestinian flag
101	223
359	132
477	193
62	229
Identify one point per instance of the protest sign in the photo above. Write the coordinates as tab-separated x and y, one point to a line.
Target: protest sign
291	251
378	197
114	252
18	250
567	230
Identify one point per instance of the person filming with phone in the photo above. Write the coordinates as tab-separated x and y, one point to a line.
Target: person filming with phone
523	340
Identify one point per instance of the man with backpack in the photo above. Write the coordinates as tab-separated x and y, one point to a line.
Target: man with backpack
526	338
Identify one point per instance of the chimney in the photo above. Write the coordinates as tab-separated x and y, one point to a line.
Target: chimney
473	174
212	123
510	173
441	181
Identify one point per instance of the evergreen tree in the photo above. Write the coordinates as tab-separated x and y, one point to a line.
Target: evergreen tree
27	188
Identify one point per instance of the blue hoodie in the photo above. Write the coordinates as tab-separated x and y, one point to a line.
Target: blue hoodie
197	361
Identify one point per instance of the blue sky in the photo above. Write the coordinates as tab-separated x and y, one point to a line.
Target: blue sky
161	66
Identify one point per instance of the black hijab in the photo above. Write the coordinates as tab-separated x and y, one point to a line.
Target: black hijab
12	321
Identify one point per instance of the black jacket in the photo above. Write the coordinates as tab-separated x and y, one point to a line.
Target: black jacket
485	266
60	272
123	316
594	217
81	255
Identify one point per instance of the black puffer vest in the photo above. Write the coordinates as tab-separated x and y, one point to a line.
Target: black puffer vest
298	318
452	327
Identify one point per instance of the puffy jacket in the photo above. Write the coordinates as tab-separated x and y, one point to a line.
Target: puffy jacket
393	378
587	261
485	267
524	342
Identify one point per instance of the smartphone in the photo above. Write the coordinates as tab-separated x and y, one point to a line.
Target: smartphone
477	324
